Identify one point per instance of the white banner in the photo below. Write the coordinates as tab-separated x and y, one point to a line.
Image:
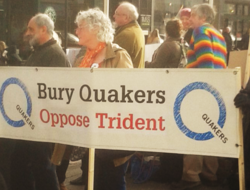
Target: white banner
188	111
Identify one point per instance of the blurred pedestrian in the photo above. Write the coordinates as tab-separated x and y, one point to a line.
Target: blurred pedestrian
187	31
154	37
168	55
228	40
3	56
244	42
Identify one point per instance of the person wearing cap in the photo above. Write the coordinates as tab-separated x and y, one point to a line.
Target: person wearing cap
185	14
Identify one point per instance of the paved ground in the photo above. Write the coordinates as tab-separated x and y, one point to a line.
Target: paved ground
74	172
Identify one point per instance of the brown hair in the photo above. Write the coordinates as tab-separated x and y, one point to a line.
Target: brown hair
173	28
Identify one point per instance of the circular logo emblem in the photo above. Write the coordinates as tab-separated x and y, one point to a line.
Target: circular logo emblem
15	81
50	11
177	106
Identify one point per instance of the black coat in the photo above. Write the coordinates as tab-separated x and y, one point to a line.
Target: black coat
49	54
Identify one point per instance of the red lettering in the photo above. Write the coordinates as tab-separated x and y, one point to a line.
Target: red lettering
63	121
79	121
55	119
41	115
130	120
130	123
101	119
148	124
160	123
119	122
111	119
73	118
138	122
85	121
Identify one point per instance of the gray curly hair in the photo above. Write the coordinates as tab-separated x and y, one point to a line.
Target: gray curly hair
204	11
96	18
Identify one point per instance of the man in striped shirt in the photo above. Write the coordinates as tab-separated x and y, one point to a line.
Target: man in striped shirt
207	50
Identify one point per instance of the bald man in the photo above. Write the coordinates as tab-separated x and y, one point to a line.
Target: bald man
129	34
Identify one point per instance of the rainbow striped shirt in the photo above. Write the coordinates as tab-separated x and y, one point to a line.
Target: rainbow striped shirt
207	49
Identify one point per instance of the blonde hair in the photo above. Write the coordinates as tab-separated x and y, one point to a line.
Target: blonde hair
154	37
2	46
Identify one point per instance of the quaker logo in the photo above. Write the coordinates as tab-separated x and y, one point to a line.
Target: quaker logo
215	127
25	115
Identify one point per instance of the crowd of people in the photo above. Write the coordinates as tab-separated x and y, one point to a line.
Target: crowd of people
26	165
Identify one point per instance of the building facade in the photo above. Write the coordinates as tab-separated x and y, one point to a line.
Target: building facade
14	14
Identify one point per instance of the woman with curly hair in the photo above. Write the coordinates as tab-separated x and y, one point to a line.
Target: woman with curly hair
95	32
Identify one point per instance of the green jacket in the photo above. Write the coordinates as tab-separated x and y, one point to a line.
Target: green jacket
131	38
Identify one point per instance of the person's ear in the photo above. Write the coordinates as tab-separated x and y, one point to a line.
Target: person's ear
43	29
127	18
203	19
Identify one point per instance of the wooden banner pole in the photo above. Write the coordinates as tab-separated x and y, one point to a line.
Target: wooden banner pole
247	68
58	153
241	156
91	169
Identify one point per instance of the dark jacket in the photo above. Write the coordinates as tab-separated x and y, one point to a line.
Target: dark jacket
228	40
49	54
188	35
131	38
168	55
246	135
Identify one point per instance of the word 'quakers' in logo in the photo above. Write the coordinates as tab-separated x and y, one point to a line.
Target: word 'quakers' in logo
203	116
25	115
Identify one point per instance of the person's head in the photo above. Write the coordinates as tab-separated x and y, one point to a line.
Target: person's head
40	29
185	16
173	28
154	37
2	47
155	33
227	29
125	13
201	14
93	26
